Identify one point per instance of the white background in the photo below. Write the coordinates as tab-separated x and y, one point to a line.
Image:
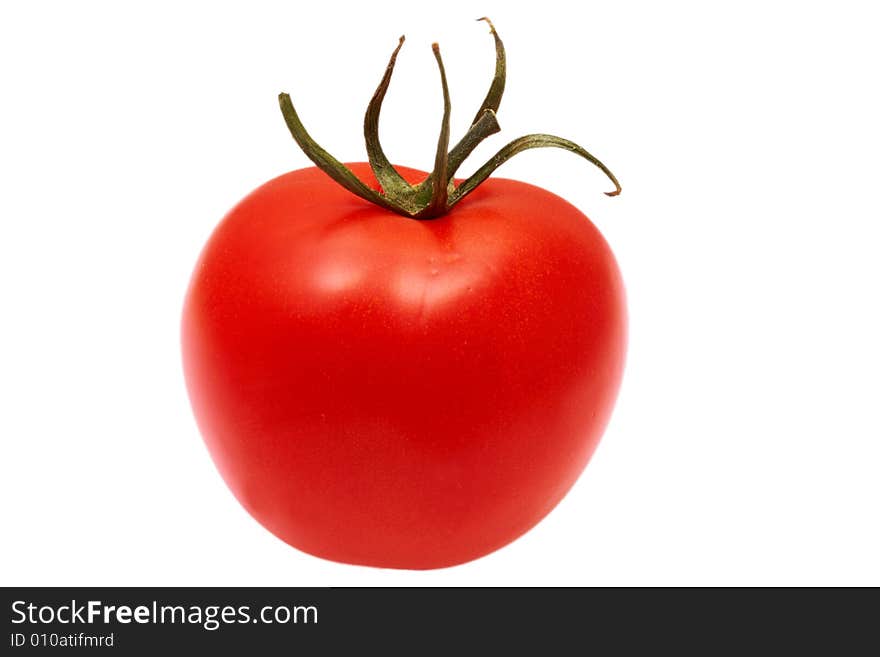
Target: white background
746	443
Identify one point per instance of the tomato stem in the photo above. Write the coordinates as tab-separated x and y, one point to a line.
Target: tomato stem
437	194
440	174
496	90
391	181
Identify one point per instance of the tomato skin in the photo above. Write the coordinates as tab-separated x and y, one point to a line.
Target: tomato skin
398	393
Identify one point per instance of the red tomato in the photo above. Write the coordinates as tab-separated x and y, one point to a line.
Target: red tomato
409	394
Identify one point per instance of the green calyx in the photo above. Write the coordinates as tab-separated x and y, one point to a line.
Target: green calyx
438	193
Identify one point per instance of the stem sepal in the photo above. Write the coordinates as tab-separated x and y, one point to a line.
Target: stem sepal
438	193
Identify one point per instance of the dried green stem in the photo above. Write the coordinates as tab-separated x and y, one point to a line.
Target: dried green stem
485	126
518	146
437	194
326	162
439	191
389	179
496	90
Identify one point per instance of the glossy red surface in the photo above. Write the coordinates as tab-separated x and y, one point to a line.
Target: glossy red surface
399	393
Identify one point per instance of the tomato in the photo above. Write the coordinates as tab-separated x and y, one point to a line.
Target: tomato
411	383
410	394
